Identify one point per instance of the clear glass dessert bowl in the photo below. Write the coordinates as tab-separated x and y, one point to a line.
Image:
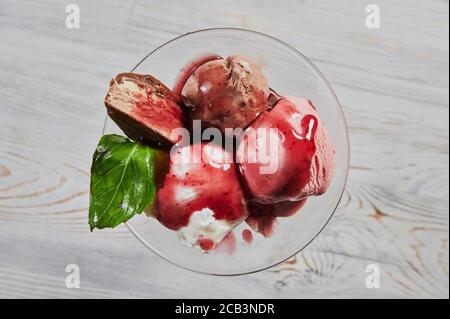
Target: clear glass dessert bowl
289	73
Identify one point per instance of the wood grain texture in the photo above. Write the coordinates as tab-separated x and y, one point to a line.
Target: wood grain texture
392	82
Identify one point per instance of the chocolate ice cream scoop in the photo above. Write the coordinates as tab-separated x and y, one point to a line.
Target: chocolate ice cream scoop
226	93
144	108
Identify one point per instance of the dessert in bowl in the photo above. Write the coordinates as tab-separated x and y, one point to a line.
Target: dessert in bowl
239	146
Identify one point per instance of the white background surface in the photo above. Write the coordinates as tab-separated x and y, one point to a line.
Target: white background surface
392	82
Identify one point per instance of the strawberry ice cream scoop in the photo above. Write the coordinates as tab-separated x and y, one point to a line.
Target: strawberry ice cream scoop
286	154
201	197
226	93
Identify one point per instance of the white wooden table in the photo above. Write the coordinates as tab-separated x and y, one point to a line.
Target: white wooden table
392	82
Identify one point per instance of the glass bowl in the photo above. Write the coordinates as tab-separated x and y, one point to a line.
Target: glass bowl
289	73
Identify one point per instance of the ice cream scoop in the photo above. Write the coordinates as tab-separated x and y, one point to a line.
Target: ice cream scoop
201	197
296	147
226	93
144	108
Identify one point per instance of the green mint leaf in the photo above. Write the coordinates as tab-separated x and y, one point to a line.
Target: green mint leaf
125	176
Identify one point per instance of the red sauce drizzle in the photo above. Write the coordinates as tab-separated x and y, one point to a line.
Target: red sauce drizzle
189	68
